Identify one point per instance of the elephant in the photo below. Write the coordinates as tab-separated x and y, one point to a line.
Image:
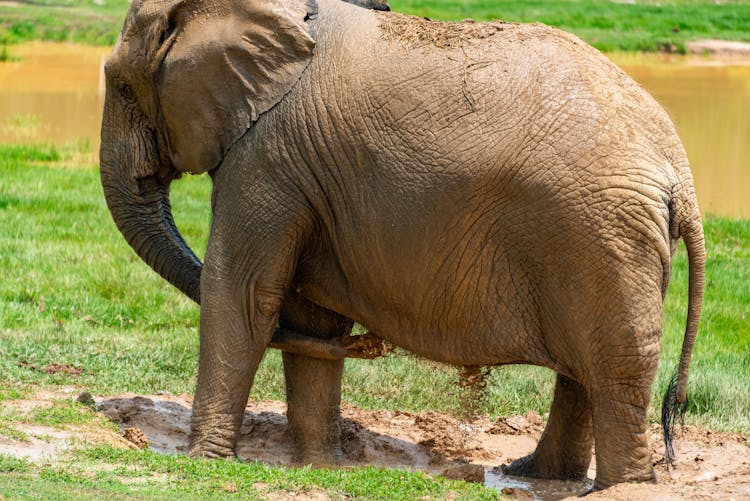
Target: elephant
478	194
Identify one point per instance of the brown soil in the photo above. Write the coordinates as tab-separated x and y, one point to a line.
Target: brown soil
421	31
710	465
714	47
54	368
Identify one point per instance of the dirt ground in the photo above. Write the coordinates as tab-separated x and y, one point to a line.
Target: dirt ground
719	48
709	465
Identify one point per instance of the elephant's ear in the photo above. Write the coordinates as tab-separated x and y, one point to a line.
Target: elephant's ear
224	69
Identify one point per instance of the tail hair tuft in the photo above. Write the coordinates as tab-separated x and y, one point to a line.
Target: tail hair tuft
671	410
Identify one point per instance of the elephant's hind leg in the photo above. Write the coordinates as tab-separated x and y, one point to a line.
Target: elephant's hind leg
619	406
313	395
564	450
313	385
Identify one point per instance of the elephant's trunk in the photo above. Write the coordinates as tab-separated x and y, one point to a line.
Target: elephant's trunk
140	204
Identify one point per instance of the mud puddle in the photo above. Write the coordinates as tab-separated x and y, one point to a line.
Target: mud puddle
536	489
709	465
427	441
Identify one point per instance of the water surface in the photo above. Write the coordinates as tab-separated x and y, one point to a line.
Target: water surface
53	94
709	102
536	488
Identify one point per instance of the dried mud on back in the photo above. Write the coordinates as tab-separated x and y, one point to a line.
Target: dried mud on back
419	31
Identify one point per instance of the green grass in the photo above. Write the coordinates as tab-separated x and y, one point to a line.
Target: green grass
609	26
6	56
645	26
10	464
82	21
63	412
7	430
123	474
73	292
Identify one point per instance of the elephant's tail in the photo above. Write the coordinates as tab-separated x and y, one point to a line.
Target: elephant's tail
685	222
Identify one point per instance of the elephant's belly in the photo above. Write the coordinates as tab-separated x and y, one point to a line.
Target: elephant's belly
486	334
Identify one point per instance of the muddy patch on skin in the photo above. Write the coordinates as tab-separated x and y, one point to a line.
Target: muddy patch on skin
420	31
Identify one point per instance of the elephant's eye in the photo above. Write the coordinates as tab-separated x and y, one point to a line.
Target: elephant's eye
125	91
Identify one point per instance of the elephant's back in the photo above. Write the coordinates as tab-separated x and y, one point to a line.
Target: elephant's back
509	111
454	88
464	155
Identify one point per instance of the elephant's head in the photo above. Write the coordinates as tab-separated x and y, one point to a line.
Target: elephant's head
186	80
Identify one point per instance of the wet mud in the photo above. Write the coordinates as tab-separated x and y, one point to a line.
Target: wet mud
708	465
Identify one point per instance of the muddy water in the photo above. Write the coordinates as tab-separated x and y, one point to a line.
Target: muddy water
53	94
709	102
537	489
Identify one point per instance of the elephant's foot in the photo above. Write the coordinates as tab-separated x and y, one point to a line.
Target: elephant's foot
564	449
213	439
603	484
643	474
210	450
622	450
620	406
522	467
534	466
328	456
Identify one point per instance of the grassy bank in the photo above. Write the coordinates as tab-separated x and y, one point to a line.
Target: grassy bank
73	293
82	21
127	474
622	26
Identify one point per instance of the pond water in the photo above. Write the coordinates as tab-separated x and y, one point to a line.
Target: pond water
537	489
51	94
709	102
54	94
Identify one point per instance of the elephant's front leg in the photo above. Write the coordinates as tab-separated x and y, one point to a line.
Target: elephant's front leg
313	386
565	448
242	287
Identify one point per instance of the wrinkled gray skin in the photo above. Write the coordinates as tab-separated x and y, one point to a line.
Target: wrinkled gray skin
478	195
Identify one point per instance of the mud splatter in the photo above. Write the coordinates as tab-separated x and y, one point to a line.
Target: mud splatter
419	31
